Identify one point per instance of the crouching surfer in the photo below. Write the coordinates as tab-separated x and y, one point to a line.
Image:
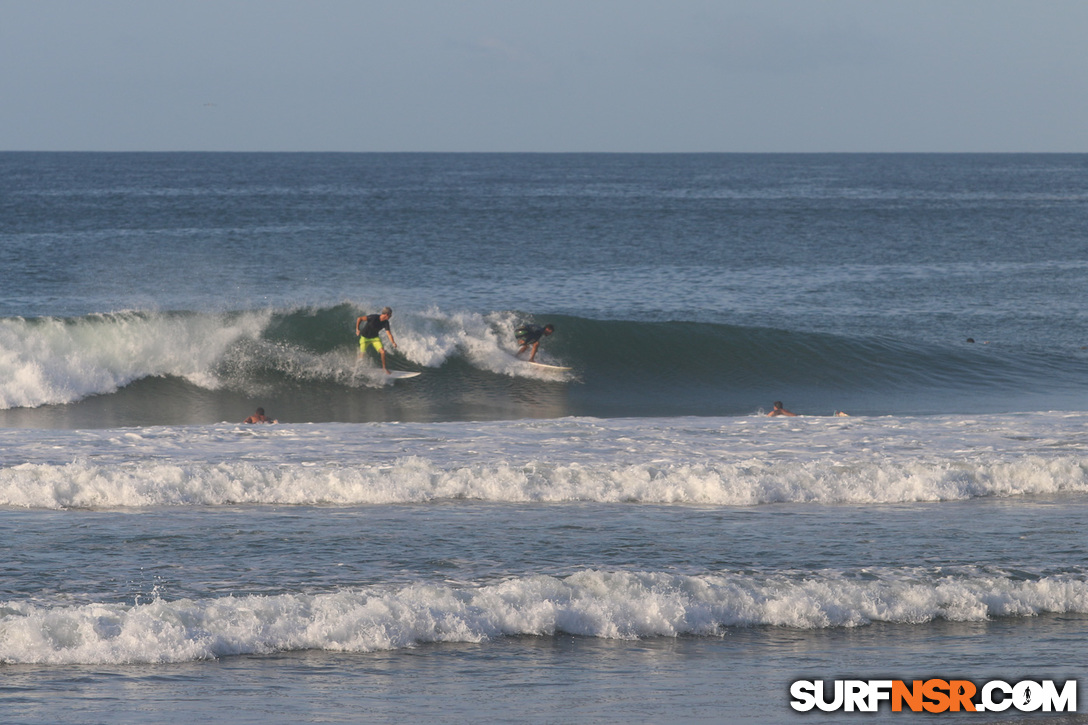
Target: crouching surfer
369	327
527	335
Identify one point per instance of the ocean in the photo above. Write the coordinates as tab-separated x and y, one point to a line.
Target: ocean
629	540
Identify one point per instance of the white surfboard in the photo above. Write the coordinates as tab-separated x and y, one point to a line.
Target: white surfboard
552	368
377	374
543	367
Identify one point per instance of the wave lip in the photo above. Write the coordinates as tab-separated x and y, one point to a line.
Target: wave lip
613	605
54	360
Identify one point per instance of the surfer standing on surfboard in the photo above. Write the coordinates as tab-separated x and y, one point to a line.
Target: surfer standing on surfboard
527	335
368	333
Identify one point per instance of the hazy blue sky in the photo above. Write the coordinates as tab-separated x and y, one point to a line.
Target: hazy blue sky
544	75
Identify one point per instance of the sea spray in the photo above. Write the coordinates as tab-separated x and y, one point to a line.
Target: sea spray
590	603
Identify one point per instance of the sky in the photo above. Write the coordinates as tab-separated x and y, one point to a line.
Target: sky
544	75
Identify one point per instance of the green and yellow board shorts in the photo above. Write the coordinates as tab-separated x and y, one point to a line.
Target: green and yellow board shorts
374	342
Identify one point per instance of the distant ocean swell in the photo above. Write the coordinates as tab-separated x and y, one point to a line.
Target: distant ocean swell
58	361
85	484
616	605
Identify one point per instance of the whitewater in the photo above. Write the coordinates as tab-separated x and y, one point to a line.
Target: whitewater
611	605
698	461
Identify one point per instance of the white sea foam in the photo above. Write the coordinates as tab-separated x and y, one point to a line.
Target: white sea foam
731	462
55	360
617	605
86	484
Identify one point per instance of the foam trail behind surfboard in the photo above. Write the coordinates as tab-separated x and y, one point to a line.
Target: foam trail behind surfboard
545	366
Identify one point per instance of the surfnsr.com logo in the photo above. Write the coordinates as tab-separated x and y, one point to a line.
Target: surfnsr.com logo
934	695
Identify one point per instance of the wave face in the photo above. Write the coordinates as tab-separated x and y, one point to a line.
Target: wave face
615	605
140	368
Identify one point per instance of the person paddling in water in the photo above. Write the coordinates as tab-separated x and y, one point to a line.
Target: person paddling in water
259	417
527	335
368	328
779	410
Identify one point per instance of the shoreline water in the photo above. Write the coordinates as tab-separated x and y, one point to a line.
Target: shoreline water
546	679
